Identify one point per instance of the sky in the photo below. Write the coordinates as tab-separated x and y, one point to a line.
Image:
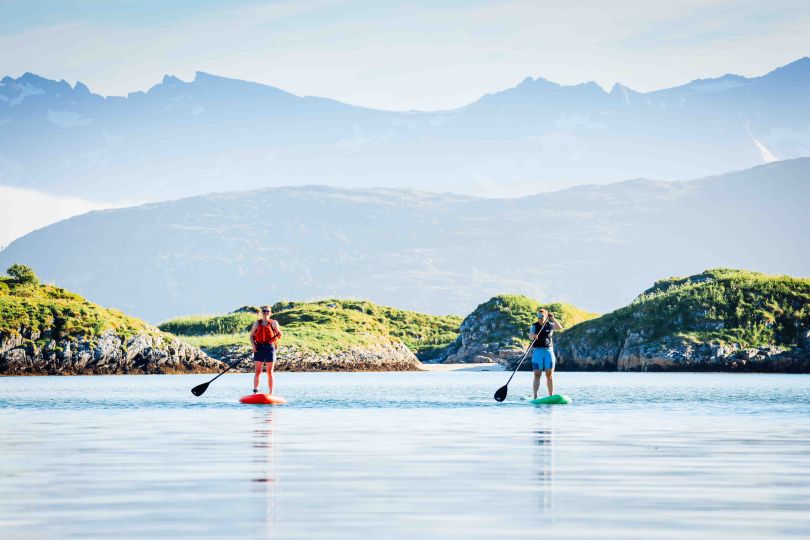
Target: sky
399	55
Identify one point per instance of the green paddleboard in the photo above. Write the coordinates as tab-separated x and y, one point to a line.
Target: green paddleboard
556	399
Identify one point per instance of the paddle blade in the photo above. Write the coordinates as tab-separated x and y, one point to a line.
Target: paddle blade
500	395
200	389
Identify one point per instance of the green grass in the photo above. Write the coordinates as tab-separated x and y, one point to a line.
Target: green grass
201	325
722	306
32	307
519	312
323	327
212	341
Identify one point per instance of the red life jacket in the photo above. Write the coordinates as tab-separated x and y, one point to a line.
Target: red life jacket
265	333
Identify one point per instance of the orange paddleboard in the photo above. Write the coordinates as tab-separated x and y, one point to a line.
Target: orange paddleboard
262	399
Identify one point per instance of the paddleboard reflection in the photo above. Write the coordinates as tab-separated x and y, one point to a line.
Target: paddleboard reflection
264	459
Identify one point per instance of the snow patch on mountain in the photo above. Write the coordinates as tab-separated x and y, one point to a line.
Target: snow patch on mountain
767	155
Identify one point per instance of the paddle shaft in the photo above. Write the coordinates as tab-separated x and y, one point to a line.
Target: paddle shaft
228	369
526	353
201	388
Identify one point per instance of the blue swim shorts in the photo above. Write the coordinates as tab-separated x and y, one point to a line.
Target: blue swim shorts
542	359
265	352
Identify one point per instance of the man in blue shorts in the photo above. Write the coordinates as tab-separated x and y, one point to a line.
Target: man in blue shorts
543	349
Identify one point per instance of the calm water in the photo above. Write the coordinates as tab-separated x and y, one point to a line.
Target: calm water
406	455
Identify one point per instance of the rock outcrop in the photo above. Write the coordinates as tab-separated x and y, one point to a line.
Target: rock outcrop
32	353
636	353
47	330
488	334
719	320
394	356
497	330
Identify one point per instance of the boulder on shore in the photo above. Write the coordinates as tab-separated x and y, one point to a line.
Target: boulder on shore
109	354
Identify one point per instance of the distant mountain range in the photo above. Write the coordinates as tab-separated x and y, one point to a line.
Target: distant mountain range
593	246
216	134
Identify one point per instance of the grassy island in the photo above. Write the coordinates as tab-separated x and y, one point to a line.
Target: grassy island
40	312
720	306
323	327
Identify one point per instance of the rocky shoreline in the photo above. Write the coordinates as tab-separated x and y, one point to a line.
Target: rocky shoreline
635	354
668	357
30	353
383	357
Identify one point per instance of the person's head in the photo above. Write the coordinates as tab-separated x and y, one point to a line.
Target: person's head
265	312
542	313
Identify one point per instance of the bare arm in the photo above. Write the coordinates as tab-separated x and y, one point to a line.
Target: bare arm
253	335
556	325
532	334
277	329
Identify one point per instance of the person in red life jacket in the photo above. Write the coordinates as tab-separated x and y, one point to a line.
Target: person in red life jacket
543	349
264	335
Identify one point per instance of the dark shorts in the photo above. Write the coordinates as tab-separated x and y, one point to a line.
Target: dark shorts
265	353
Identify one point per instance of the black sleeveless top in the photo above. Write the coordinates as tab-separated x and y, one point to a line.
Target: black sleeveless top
543	339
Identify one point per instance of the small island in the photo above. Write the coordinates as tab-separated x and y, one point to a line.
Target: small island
328	335
46	330
498	329
718	320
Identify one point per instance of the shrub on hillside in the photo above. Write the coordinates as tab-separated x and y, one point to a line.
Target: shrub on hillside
22	274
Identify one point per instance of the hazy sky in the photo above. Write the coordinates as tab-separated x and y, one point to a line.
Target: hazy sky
399	55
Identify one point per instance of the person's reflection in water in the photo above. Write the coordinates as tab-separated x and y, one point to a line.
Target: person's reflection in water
546	463
264	483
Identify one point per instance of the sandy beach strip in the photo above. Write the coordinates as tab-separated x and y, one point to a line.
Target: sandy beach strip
463	367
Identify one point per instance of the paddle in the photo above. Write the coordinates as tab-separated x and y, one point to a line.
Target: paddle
500	394
201	388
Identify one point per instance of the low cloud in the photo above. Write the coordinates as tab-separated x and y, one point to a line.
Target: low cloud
23	211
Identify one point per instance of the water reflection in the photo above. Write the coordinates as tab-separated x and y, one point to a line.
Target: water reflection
264	456
545	459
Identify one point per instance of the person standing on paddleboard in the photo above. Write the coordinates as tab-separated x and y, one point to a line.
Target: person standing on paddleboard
264	335
543	359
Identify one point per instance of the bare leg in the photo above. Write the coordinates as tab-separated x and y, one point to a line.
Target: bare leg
536	382
270	368
257	374
550	381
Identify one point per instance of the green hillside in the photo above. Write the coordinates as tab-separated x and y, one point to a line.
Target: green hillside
37	311
46	330
720	306
326	326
